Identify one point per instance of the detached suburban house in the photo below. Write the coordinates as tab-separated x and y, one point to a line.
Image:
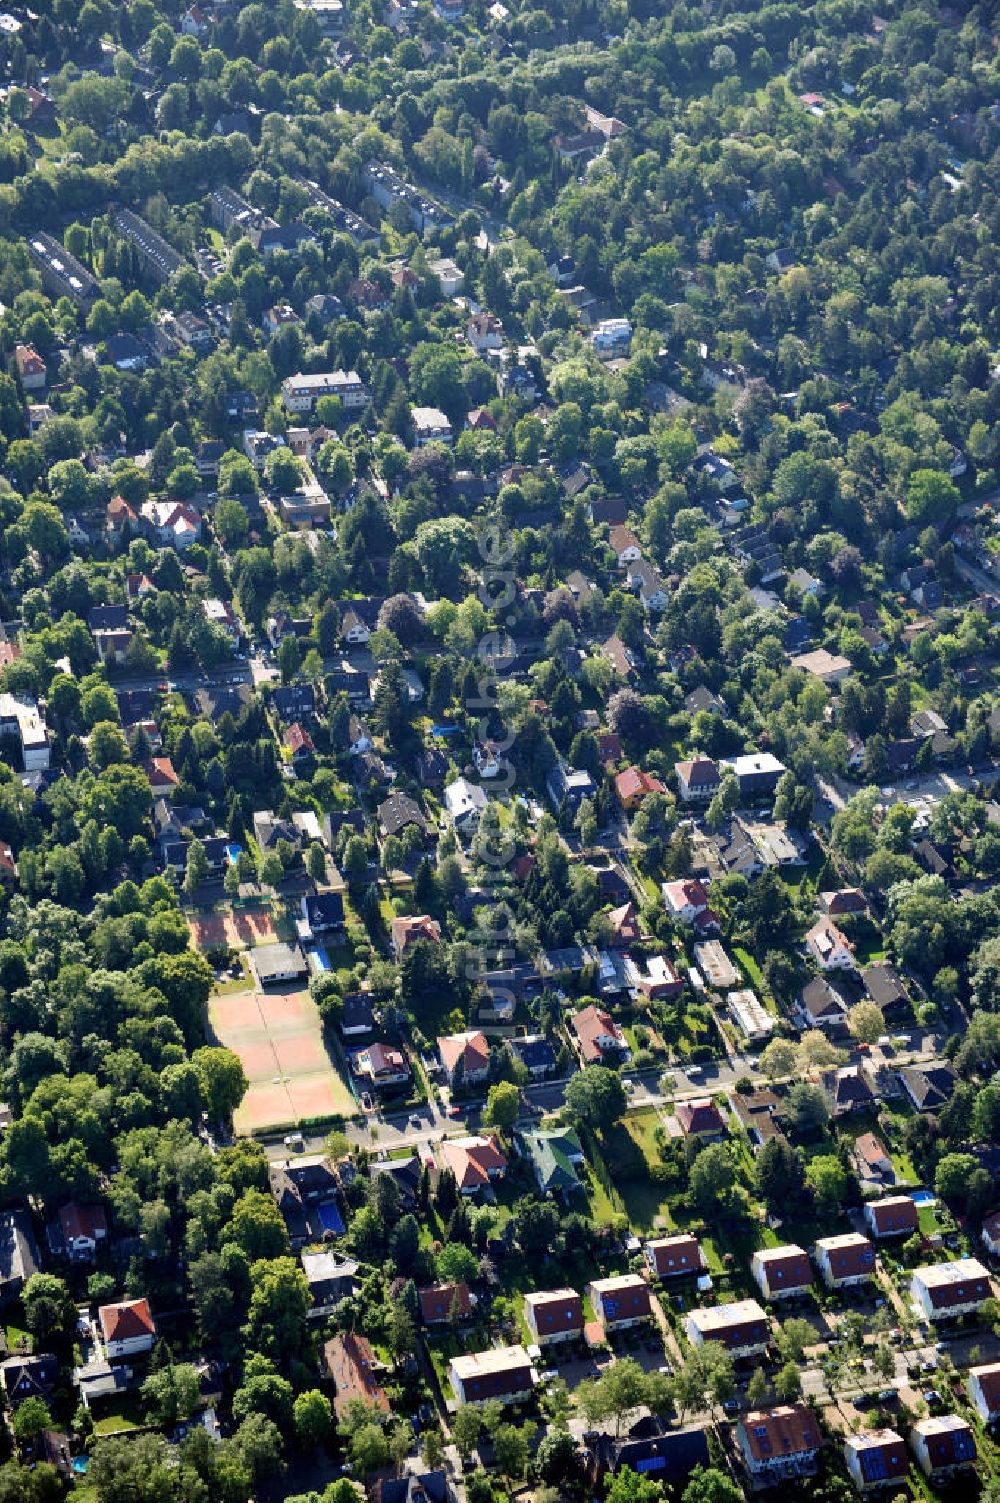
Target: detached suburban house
893	1216
620	1302
829	947
943	1445
944	1291
742	1327
845	1260
503	1373
669	1257
128	1328
599	1037
983	1384
779	1443
465	1057
781	1272
554	1316
698	780
875	1460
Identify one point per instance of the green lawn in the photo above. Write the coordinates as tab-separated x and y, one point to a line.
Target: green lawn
747	963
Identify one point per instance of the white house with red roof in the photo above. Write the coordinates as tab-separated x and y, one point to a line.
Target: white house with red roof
687	902
128	1328
465	1054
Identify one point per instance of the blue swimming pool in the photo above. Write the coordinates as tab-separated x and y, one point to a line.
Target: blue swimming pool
320	959
233	853
330	1218
80	1464
922	1197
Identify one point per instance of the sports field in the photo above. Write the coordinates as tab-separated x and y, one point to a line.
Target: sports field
238	927
279	1038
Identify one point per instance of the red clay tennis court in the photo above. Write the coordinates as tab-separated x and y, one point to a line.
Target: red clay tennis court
279	1039
240	927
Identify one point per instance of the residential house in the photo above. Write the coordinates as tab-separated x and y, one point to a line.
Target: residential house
554	1316
568	785
612	338
31	369
18	1253
653	976
414	1487
698	780
781	1272
944	1445
892	1216
379	1067
757	773
778	1444
407	931
536	1053
465	1058
299	744
872	1159
397	812
848	1090
484	332
322	916
82	1230
845	1260
29	1377
943	1291
687	902
476	1162
300	1188
351	1365
357	1015
983	1384
820	1005
464	803
504	1374
330	1276
647	1448
750	1015
876	1459
445	1303
128	1328
625	926
929	1086
830	947
672	1257
883	985
990	1233
741	1327
829	667
700	1117
625	545
220	614
758	1112
599	1038
620	1302
556	1155
633	785
430	426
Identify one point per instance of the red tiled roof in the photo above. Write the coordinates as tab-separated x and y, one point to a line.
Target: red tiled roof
350	1362
473	1161
790	1430
591	1024
700	1116
634	783
439	1300
125	1321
